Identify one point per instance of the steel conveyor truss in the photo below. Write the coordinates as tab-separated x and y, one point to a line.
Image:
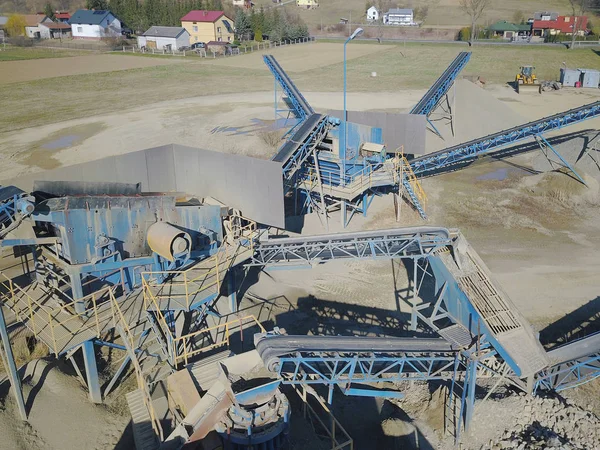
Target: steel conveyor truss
415	242
428	164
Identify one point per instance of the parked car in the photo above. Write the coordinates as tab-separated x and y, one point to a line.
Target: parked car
197	45
127	32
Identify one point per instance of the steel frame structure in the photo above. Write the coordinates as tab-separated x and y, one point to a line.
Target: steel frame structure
300	107
415	242
426	164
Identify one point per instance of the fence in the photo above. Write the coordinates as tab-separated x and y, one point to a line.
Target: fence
208	53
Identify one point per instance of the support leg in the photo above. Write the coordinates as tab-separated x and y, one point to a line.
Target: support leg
77	291
413	312
543	143
91	371
232	292
11	367
343	212
471	393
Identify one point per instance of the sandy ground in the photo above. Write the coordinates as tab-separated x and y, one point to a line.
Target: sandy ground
538	232
37	69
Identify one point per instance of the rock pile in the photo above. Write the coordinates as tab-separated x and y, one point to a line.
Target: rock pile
549	423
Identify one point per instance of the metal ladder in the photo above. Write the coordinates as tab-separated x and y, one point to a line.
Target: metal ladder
412	186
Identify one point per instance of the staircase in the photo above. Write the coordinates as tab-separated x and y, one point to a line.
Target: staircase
143	433
412	187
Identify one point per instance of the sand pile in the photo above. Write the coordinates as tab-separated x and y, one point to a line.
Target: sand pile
477	114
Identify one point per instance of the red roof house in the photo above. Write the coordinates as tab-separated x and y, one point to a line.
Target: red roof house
202	16
562	24
62	16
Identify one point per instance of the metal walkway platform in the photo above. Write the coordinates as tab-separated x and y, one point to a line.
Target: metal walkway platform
427	164
479	304
393	243
301	107
437	91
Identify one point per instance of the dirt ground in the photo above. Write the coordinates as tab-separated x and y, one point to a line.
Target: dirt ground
297	61
38	69
538	231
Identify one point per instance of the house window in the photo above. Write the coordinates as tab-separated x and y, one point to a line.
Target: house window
195	29
218	29
196	38
229	38
219	39
80	29
567	19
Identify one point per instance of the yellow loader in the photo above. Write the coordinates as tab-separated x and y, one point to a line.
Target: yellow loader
526	80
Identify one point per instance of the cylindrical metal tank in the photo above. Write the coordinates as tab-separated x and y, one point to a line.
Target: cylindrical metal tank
168	241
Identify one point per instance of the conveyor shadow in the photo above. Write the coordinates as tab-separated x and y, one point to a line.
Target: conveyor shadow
579	323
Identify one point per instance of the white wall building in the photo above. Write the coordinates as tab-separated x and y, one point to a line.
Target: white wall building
167	38
372	14
396	16
32	25
90	24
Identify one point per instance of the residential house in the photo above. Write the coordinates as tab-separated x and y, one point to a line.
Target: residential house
3	20
206	26
307	4
544	16
561	25
510	31
32	24
165	38
91	24
247	4
398	16
372	14
218	47
55	30
62	16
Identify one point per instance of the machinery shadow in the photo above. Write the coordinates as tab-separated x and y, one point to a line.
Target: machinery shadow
579	323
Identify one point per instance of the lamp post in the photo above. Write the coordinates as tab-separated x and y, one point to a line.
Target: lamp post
343	146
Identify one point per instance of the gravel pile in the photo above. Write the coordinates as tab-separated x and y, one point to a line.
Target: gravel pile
547	423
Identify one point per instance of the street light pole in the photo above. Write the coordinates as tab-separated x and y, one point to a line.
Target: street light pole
344	136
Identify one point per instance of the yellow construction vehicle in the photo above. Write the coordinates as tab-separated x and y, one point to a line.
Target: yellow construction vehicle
527	80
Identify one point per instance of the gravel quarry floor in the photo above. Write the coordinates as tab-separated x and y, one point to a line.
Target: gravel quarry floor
538	231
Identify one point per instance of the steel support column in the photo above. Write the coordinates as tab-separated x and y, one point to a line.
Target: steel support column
77	292
11	367
232	292
91	371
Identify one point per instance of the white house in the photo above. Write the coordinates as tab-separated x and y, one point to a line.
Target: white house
90	24
372	14
32	24
167	38
54	30
396	16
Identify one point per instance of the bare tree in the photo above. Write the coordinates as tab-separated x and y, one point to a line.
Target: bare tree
475	9
578	7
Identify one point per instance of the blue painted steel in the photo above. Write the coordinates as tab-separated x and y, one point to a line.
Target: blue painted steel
413	197
437	91
569	375
9	363
558	155
459	153
91	371
15	204
301	107
373	393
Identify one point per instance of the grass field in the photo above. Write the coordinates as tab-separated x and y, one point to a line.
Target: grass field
20	53
414	66
444	13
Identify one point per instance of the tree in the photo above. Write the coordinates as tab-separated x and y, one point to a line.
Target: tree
474	9
49	11
15	25
578	7
518	17
242	25
97	4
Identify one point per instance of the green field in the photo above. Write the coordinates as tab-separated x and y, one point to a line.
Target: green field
414	66
23	53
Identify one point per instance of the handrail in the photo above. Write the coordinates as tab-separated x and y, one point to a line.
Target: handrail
186	338
162	322
119	317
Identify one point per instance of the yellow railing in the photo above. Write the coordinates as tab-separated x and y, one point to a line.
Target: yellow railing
184	341
413	180
119	319
56	325
150	300
194	280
